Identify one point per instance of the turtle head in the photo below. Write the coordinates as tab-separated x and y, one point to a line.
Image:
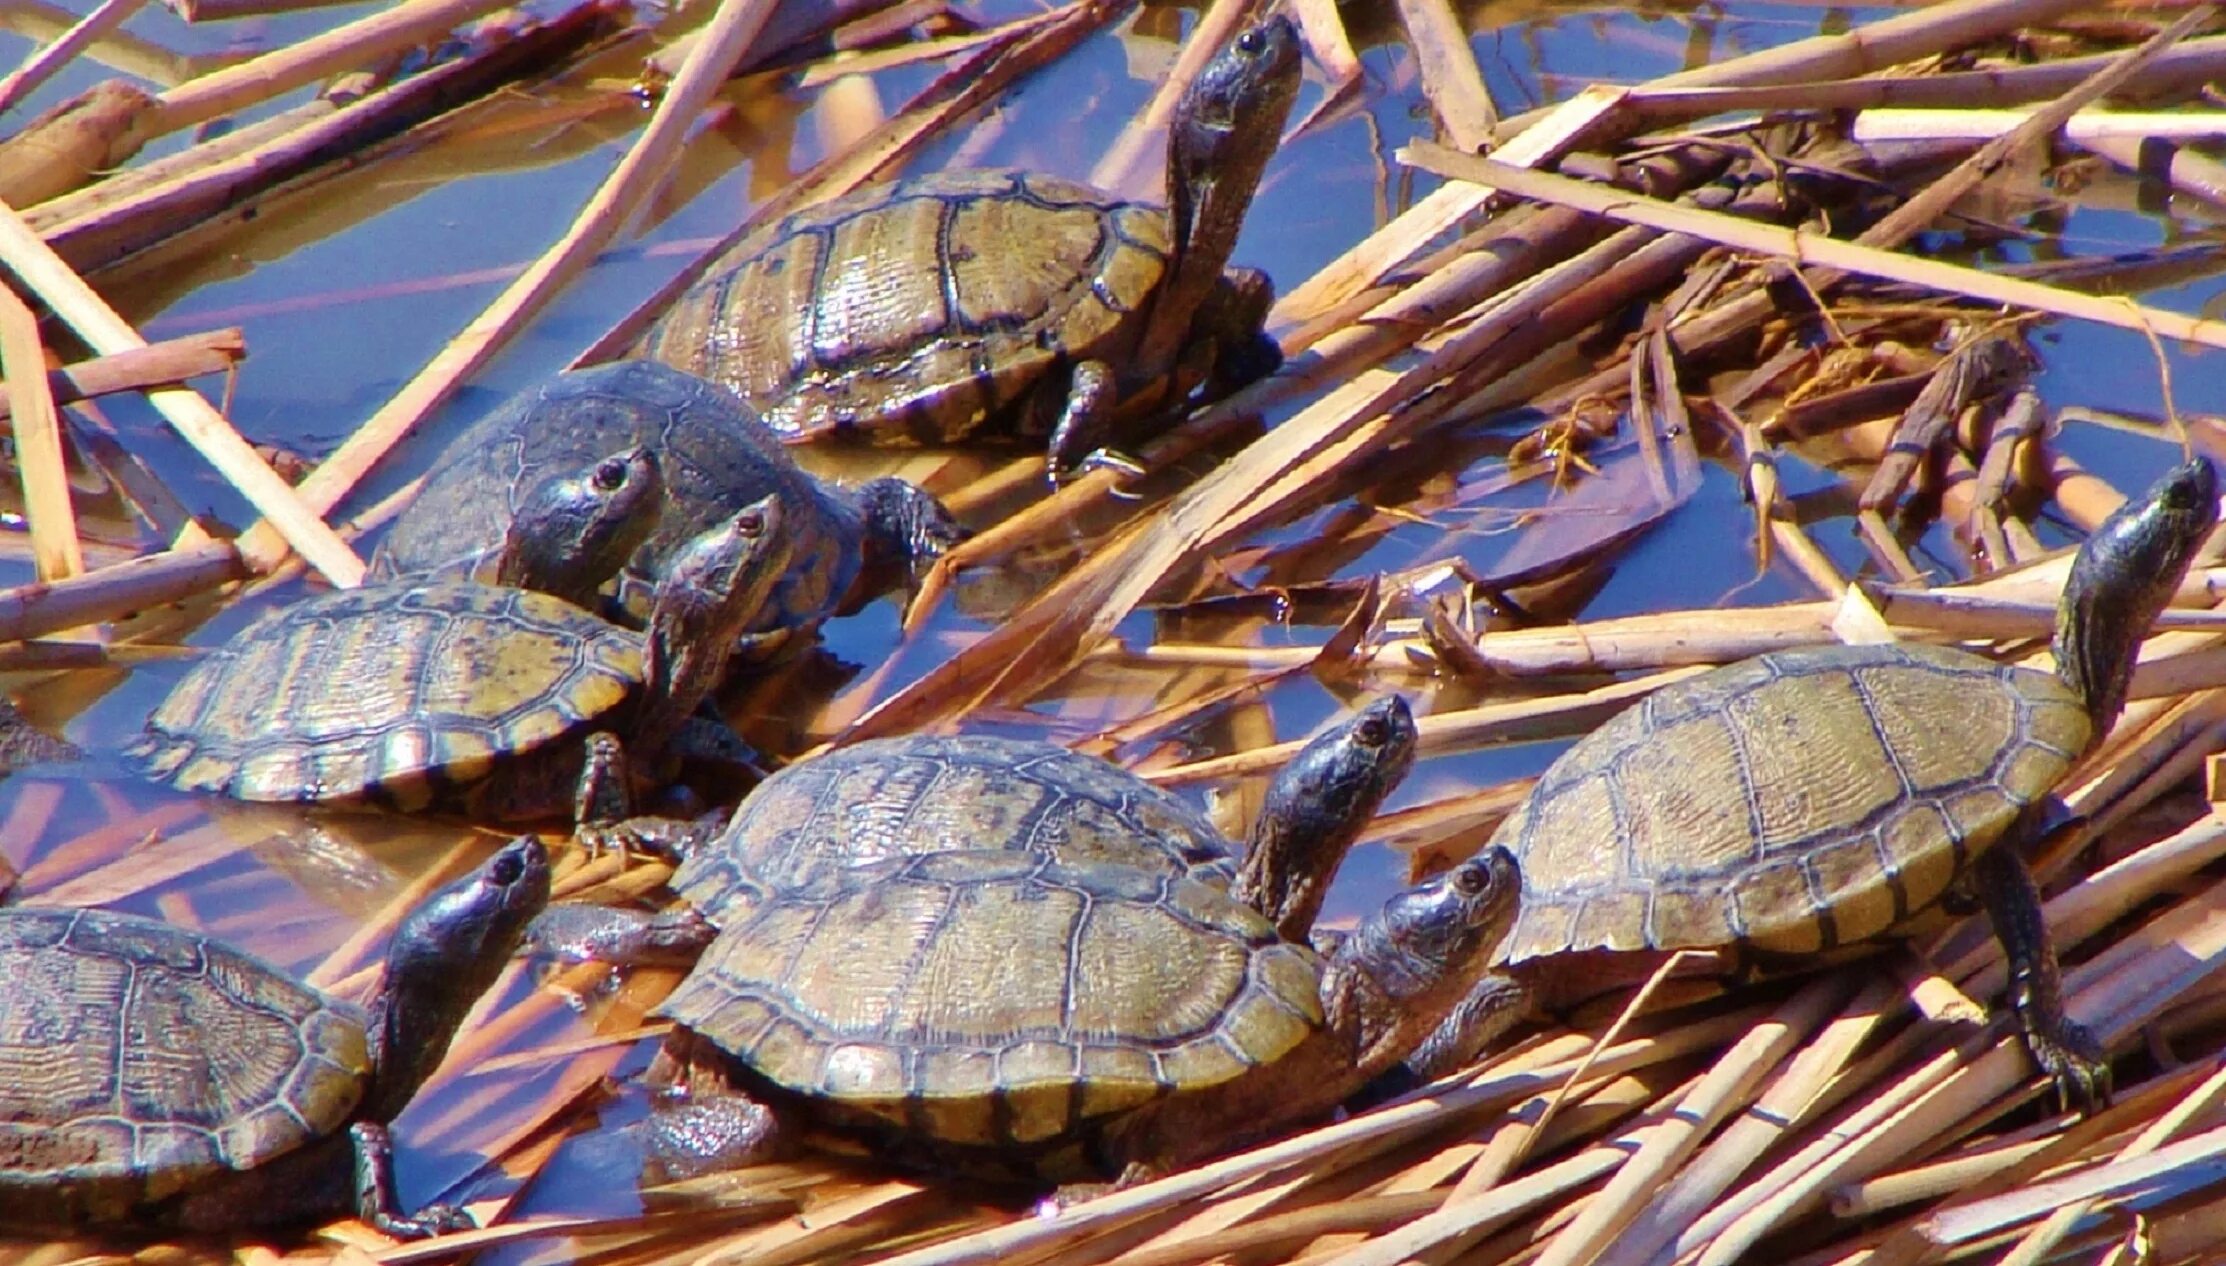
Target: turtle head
2122	579
1316	807
1223	132
906	529
574	531
1409	965
444	955
713	590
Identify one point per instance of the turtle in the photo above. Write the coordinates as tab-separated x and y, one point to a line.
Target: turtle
455	694
847	544
1817	797
1001	304
151	1076
932	890
923	793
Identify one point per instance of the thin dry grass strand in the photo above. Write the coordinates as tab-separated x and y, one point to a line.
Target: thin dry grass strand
1451	80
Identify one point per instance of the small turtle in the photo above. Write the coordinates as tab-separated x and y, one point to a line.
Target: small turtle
455	694
1812	798
1005	304
847	545
151	1076
933	794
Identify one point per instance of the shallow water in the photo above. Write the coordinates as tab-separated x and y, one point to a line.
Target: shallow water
344	293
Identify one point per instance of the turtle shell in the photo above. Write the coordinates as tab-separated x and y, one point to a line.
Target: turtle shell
934	794
716	458
1087	990
921	311
407	695
1791	802
138	1059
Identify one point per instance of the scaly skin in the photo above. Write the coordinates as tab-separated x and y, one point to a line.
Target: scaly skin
575	531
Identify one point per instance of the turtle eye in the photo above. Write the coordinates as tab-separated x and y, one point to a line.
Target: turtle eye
749	523
1251	40
1373	731
507	869
611	475
1471	879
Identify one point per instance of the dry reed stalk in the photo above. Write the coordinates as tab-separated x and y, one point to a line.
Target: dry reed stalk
38	444
734	26
1452	82
155	365
1810	248
107	333
63	49
225	179
36	610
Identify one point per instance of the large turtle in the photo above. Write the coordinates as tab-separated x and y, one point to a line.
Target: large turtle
485	698
152	1076
999	304
846	545
897	797
1025	962
1811	798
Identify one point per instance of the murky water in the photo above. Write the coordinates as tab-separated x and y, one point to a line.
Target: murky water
345	292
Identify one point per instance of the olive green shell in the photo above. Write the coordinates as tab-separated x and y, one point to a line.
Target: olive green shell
1791	802
1090	990
716	457
137	1059
408	695
920	311
935	794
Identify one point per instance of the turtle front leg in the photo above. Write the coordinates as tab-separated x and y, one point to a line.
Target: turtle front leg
2063	1047
580	932
375	1201
1085	424
603	809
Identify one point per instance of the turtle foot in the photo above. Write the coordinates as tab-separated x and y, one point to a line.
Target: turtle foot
2076	1062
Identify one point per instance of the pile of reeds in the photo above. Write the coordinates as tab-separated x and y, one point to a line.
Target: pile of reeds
1652	274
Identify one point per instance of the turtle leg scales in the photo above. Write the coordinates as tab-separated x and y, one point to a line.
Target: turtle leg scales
580	932
2064	1049
1084	424
375	1202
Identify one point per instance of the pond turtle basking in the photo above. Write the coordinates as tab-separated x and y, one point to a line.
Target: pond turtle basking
151	1076
1033	966
1811	798
846	544
1005	304
454	694
897	797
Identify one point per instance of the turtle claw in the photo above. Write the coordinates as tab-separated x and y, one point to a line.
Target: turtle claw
2076	1062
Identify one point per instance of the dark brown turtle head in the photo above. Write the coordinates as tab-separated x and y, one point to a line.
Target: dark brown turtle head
1316	808
906	529
2122	579
1408	965
1223	132
574	531
712	592
444	955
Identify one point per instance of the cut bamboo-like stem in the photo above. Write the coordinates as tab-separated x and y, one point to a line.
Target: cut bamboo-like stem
202	426
38	443
42	65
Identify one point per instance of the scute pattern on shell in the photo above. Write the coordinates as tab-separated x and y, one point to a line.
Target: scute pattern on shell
921	794
137	1058
1791	802
716	458
441	681
911	312
1088	990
